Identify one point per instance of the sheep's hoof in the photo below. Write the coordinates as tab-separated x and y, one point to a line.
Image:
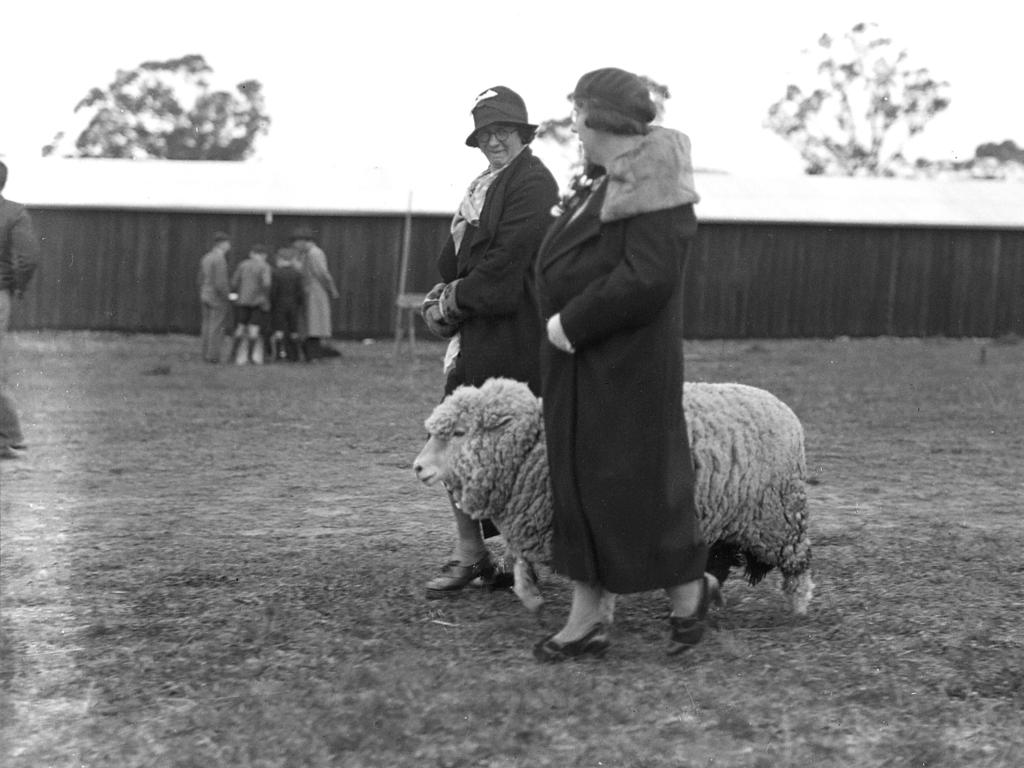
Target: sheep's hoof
715	592
532	603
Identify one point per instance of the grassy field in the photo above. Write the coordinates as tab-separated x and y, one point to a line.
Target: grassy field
220	566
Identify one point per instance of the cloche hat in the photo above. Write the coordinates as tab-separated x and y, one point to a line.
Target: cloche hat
498	105
619	91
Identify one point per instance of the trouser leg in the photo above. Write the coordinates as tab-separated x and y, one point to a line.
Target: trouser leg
206	335
221	326
240	350
214	323
10	426
255	344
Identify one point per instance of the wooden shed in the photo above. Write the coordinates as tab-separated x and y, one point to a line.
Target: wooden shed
774	257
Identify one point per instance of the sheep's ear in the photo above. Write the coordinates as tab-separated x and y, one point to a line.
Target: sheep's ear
497	421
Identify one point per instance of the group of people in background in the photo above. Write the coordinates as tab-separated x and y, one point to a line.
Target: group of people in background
582	301
278	311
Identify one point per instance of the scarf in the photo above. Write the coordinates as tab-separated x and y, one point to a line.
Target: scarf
655	175
472	205
468	214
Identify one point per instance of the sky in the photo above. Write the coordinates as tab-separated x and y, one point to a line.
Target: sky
387	86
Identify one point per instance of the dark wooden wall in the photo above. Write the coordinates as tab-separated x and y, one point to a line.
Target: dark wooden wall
791	280
135	271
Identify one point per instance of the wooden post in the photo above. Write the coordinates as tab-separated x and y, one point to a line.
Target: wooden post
992	327
403	267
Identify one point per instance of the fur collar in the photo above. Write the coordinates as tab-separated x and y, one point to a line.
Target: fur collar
655	175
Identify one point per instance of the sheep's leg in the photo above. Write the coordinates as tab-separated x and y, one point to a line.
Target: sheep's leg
608	607
795	563
796	576
798	588
797	584
722	558
526	586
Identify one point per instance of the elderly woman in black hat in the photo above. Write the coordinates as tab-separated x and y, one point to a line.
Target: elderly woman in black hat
486	305
609	279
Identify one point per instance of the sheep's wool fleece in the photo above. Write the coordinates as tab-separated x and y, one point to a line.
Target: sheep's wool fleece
747	446
499	471
502	425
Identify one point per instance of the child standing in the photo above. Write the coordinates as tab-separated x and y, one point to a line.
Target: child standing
251	281
287	299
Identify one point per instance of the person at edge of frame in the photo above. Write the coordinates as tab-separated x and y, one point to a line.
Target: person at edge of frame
19	257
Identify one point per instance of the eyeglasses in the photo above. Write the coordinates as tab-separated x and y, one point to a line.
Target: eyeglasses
502	134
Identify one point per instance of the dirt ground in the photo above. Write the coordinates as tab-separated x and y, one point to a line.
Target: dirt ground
163	499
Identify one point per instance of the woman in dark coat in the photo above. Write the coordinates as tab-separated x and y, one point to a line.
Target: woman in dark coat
609	277
487	304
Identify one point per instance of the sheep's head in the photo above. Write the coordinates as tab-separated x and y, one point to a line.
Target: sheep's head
477	438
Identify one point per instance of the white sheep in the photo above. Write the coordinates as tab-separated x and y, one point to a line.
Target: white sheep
486	445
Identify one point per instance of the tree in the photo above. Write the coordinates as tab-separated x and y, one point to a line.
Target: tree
863	107
1004	152
1004	160
166	109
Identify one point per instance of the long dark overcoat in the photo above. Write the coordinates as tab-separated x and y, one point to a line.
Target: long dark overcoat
502	331
619	460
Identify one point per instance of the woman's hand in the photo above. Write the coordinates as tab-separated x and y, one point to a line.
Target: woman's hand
449	305
556	334
430	311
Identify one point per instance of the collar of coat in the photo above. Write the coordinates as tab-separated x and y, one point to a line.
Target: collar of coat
655	175
490	214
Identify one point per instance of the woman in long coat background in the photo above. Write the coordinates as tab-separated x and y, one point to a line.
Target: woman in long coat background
609	278
320	291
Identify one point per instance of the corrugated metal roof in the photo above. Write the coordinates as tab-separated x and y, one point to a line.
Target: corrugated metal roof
845	200
209	186
329	189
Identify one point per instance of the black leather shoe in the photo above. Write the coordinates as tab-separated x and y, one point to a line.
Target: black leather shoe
454	576
594	643
687	631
